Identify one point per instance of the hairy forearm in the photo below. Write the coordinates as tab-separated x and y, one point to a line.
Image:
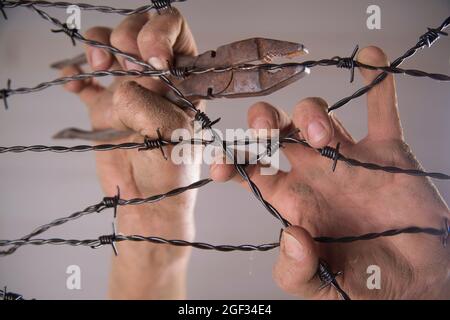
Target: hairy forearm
149	271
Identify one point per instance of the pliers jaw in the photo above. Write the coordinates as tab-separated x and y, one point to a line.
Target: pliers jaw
241	82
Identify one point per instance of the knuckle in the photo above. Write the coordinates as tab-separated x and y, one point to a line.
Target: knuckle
123	37
96	32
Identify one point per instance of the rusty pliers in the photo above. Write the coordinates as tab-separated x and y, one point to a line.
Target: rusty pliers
219	75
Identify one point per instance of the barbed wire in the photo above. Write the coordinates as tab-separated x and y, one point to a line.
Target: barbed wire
10	296
186	72
333	153
114	238
156	5
148	145
426	40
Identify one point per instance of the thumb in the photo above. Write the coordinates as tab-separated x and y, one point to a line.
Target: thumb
296	269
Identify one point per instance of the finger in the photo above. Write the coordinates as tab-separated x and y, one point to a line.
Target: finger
74	86
162	36
99	59
141	110
88	90
311	117
124	38
383	115
296	269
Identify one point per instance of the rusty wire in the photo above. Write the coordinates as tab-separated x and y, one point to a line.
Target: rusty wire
349	63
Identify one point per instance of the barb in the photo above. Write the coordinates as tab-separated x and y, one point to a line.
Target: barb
348	63
71	32
10	296
427	39
5	93
88	7
328	278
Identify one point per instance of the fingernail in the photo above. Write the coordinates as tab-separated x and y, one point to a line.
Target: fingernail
316	131
132	66
157	63
292	247
98	57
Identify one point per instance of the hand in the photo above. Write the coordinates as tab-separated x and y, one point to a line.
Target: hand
137	105
352	201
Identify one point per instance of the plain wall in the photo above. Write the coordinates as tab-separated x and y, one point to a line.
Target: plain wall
37	188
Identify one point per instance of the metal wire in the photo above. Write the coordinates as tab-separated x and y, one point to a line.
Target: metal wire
10	296
112	202
107	239
157	5
337	61
107	202
426	40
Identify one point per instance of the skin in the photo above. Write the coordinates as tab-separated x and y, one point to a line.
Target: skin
316	201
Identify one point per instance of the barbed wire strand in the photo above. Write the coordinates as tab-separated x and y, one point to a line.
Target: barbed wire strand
156	5
108	239
426	40
107	202
328	152
193	71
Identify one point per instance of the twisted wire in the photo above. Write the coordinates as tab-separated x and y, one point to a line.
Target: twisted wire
108	239
137	238
76	36
107	202
157	5
327	152
384	234
185	72
426	40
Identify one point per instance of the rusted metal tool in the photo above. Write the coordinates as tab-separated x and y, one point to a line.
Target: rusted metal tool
219	77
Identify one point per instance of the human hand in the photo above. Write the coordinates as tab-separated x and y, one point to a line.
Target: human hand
351	201
137	104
